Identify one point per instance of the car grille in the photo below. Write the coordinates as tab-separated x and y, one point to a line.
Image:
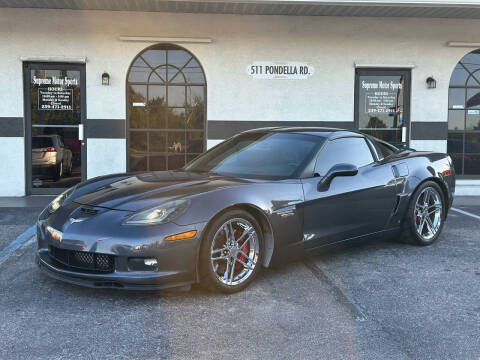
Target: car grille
83	260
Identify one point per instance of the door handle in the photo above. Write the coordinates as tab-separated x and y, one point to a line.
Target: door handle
80	132
404	134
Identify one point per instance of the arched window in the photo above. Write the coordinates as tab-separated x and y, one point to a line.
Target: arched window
166	107
464	115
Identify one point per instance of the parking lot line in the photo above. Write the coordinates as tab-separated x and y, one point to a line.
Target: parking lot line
337	291
466	213
17	243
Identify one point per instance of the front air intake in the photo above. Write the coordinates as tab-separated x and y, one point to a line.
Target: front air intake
83	260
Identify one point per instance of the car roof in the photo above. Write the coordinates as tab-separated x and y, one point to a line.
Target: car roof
325	132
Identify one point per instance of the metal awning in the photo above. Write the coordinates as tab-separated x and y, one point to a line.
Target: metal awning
387	8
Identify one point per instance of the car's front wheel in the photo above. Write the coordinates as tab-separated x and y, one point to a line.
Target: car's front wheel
231	252
425	216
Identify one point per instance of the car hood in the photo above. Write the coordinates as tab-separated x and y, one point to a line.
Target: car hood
138	191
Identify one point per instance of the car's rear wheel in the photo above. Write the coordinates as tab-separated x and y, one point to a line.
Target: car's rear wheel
425	216
231	252
58	171
68	170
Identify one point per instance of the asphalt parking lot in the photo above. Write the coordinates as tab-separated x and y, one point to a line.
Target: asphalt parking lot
376	300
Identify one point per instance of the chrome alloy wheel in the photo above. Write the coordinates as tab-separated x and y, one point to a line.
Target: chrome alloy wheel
234	251
428	213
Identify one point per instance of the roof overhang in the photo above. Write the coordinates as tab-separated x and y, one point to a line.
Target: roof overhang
466	9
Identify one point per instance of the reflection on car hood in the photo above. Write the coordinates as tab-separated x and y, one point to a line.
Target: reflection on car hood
143	190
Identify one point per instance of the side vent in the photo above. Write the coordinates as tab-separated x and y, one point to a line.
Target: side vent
397	202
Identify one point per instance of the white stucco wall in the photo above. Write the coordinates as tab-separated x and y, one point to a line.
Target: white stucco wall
12	167
332	45
429	145
212	143
105	156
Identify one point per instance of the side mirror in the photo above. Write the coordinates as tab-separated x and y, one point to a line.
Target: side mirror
336	170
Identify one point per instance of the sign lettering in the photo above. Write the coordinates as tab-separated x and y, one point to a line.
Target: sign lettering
55	98
281	71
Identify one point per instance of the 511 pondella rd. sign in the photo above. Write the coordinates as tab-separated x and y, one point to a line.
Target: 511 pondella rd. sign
281	71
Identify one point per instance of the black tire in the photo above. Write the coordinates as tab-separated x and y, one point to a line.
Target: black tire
410	233
57	172
208	276
68	171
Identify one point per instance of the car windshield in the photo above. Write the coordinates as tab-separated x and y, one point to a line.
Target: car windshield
259	154
41	142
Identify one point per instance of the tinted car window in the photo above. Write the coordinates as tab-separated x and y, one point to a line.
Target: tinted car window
354	151
383	150
264	155
41	142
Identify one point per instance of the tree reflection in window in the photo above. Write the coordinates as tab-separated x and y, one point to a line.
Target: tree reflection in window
166	93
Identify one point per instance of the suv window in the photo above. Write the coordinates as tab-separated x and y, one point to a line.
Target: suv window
41	142
353	150
59	141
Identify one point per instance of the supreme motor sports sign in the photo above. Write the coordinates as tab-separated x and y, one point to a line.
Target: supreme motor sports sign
282	71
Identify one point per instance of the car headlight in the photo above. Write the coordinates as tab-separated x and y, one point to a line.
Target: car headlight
160	214
60	199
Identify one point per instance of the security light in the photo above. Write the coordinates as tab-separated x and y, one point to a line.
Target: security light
431	82
105	79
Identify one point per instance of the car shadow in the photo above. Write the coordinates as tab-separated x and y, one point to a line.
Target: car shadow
357	249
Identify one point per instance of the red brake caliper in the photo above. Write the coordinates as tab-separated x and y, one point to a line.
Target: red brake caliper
244	250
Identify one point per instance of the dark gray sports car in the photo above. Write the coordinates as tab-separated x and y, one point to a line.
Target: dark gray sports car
259	198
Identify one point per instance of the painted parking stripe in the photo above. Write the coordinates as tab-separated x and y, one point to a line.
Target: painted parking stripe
341	295
17	243
466	213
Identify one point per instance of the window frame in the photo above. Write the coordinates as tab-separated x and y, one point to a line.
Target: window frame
385	72
463	132
188	156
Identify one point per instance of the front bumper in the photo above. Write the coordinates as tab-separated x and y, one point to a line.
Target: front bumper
103	234
116	280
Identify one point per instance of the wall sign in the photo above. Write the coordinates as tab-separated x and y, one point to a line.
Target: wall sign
381	96
382	107
282	71
55	98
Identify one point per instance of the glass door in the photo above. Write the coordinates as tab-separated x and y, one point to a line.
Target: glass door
55	114
382	104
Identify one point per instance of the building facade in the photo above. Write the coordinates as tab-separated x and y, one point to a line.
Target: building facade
93	91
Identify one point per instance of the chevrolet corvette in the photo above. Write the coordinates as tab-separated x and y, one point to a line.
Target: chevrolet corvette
255	200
